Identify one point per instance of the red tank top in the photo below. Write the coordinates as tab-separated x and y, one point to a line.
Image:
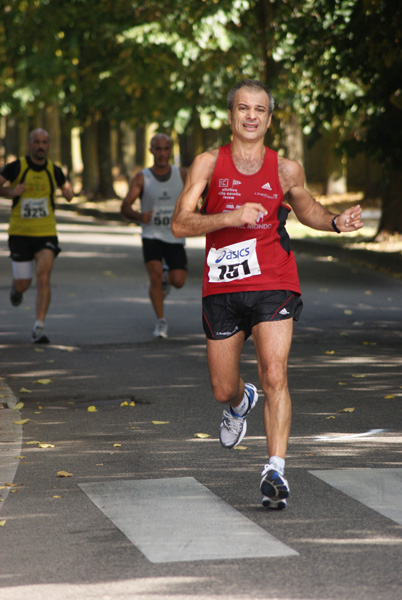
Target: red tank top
251	257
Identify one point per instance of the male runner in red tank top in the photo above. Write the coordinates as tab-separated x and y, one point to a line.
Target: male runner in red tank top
250	281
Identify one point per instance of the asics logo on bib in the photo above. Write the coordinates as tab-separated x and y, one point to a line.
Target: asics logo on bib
233	255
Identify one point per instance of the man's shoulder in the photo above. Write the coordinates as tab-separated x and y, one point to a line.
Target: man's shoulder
207	158
290	173
11	170
286	165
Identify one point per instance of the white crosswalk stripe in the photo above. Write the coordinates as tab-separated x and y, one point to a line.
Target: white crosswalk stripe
379	489
179	519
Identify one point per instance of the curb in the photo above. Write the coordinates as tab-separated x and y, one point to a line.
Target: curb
10	439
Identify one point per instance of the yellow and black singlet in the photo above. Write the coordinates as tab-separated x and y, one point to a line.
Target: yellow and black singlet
32	213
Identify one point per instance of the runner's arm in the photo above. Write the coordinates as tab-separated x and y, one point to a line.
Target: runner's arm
310	212
67	191
134	191
8	191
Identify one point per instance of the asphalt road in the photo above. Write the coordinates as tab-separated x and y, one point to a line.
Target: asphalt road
152	396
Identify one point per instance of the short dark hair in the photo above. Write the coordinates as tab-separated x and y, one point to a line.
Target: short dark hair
251	84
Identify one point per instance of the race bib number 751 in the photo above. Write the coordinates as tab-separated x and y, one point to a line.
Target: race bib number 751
233	262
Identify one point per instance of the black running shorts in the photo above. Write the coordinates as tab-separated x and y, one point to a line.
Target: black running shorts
223	315
24	247
173	254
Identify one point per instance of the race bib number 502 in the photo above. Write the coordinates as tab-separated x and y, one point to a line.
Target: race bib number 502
233	262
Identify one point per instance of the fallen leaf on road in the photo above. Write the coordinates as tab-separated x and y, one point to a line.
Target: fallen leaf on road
202	435
240	448
21	422
389	397
18	406
57	496
25	391
45	445
2	523
116	445
348	312
341	383
92	409
359	376
160	422
125	403
43	381
328	418
346	410
64	474
329	351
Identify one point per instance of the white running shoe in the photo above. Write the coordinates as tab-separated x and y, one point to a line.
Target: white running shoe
39	336
273	485
161	329
233	428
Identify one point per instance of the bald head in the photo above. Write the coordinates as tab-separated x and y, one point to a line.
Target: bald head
160	138
161	148
38	145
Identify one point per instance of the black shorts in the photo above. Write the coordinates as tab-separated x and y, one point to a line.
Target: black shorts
24	247
173	254
223	315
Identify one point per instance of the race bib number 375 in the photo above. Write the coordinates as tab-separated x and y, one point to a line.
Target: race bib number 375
233	262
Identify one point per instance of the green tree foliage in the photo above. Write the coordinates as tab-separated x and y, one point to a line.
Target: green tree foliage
347	54
331	63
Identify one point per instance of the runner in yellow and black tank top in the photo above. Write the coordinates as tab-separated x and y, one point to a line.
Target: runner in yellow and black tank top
33	211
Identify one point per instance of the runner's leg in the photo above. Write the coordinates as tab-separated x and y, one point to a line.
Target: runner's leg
177	277
272	341
44	264
224	368
155	272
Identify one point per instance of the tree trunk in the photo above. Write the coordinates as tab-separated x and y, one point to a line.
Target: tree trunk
105	186
127	150
66	148
11	144
335	166
140	146
51	123
23	133
391	218
90	172
293	139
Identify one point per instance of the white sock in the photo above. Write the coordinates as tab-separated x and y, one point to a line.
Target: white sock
277	463
39	324
241	409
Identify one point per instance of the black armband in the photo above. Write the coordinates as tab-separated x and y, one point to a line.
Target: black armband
334	227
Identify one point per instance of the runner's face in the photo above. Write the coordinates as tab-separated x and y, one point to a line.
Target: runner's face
249	119
161	149
39	147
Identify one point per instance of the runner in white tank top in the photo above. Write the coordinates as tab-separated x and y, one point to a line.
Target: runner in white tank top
165	258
